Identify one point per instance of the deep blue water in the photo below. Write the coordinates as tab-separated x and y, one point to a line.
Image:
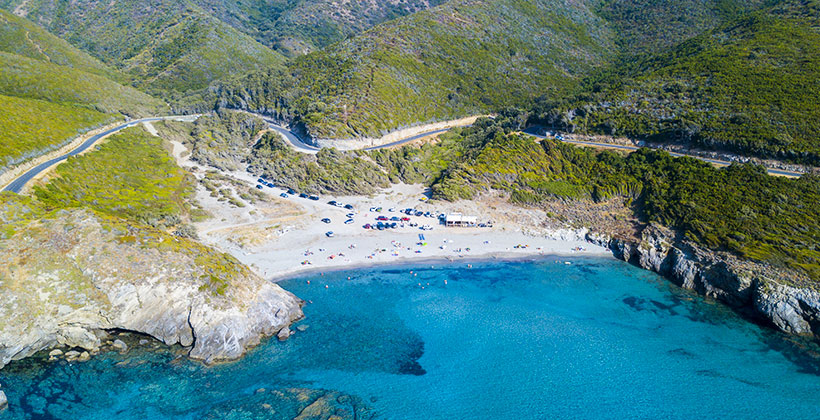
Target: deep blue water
598	339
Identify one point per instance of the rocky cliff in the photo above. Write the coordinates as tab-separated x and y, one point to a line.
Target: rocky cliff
67	277
766	293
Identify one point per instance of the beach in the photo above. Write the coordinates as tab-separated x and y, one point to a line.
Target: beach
285	236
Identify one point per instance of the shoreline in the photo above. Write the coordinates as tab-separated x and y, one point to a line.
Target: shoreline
478	258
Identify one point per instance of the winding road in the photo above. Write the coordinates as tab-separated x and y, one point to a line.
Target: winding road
718	162
298	144
17	185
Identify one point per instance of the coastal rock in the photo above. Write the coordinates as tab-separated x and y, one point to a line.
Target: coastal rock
302	328
744	285
55	352
72	355
77	336
790	309
84	357
284	333
120	346
4	402
164	292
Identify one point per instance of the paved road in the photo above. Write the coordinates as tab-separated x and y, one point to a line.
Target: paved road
304	147
290	136
416	137
771	171
18	184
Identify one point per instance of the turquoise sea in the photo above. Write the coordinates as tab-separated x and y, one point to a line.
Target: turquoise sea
597	339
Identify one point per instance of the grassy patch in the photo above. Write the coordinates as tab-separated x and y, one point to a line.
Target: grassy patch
130	175
32	127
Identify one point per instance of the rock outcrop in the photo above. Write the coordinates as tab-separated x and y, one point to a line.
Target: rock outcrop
754	289
70	276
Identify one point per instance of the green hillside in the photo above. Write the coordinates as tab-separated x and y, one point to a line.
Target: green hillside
172	45
460	58
750	86
295	27
27	78
651	26
52	92
22	37
31	127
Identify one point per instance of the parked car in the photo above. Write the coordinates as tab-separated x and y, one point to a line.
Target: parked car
382	218
378	209
314	197
380	226
395	219
349	206
367	226
332	202
419	213
303	195
325	220
350	215
329	234
348	221
258	187
270	185
261	180
283	195
291	191
391	210
405	219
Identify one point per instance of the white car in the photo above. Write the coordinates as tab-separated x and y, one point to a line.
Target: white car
329	234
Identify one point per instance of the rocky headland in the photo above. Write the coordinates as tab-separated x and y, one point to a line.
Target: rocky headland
774	296
70	276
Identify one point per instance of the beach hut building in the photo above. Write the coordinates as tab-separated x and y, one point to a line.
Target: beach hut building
460	220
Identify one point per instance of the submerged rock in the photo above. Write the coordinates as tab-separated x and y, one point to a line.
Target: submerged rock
180	293
4	402
753	288
120	346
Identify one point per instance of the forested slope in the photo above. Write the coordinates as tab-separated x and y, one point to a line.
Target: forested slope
750	86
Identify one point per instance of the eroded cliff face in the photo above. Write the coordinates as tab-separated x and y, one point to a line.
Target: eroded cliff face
755	289
67	278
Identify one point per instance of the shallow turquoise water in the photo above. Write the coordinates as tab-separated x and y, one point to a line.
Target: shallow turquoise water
504	340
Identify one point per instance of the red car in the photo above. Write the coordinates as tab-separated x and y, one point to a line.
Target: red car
381	218
405	219
367	226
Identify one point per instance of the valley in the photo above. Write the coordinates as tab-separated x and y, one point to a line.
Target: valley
418	171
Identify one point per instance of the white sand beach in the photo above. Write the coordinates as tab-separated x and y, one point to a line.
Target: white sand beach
287	235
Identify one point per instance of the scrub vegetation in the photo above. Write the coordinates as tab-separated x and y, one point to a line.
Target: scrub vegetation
130	175
749	86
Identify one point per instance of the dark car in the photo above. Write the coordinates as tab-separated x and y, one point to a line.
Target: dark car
367	226
393	225
303	195
258	187
270	185
329	234
291	191
419	213
326	220
314	197
380	226
332	202
395	219
349	206
283	195
261	180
